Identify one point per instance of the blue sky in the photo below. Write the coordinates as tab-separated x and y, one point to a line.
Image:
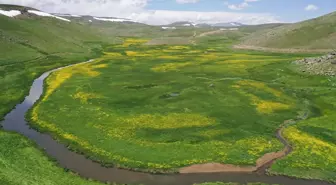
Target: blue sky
286	10
159	12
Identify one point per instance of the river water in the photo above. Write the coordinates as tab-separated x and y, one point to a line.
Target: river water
15	121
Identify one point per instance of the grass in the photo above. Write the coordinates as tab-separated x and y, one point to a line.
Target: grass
30	46
134	104
160	108
314	142
318	33
313	139
37	168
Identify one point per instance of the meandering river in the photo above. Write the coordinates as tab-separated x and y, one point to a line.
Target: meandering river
15	121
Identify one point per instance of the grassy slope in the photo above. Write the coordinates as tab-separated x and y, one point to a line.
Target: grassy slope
30	46
22	164
319	33
255	28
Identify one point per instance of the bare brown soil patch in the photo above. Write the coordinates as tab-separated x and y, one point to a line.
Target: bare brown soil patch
215	167
266	159
262	163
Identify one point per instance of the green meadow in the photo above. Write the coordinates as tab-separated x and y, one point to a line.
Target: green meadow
22	164
160	108
156	101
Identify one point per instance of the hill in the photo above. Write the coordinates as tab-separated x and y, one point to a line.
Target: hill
318	33
182	23
259	27
32	44
228	24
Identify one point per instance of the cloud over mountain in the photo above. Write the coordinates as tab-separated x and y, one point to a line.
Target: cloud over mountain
136	10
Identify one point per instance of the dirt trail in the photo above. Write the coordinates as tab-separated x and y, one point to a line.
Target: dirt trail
262	164
285	50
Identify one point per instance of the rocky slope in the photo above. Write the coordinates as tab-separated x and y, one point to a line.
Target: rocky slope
324	65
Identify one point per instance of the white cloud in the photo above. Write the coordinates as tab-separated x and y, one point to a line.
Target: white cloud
241	5
166	17
186	1
136	10
238	6
311	7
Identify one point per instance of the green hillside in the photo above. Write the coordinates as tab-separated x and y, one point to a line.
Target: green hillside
31	45
318	33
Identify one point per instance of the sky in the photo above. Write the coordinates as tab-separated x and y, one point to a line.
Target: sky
159	12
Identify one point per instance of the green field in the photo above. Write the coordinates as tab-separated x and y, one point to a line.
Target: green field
159	108
22	164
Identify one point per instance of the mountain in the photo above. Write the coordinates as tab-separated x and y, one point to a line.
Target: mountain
90	19
14	11
318	33
182	23
33	41
205	25
228	24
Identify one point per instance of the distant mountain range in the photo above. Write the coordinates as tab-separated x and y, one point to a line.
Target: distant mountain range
89	18
223	25
12	11
172	25
228	24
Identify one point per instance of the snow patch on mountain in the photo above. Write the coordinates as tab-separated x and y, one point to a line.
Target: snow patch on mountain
110	19
10	13
43	14
168	28
67	15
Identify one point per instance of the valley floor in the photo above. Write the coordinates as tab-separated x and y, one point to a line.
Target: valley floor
160	108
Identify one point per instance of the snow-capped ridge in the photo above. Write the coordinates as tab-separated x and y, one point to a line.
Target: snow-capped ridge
168	28
44	14
10	13
227	24
110	19
67	15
